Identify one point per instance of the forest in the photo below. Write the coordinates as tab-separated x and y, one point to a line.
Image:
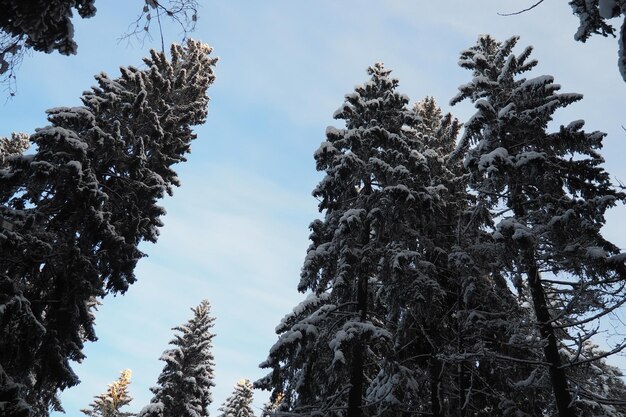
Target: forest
460	263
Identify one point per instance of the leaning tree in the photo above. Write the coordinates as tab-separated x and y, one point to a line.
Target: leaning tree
74	212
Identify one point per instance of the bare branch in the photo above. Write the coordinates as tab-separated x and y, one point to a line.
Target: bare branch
522	11
12	52
183	13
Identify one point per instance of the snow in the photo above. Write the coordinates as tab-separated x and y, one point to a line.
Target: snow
596	252
506	111
540	81
489	160
529	156
528	381
76	166
607	7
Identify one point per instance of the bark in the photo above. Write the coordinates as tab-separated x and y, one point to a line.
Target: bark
355	396
558	378
435	370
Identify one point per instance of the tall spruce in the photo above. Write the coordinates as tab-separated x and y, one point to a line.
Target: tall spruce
239	404
81	204
335	353
110	403
548	193
456	346
184	385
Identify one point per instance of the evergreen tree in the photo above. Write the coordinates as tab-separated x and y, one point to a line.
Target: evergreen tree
109	403
239	404
457	346
335	350
549	194
81	204
184	385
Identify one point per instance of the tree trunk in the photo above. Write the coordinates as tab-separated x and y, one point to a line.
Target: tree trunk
461	374
435	370
355	396
551	351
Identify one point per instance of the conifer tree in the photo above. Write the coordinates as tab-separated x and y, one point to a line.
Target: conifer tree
184	385
239	404
550	194
81	204
109	404
336	348
456	345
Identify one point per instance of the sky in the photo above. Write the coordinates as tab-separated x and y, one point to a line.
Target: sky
236	231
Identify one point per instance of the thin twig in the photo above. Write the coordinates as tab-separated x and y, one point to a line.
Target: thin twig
522	11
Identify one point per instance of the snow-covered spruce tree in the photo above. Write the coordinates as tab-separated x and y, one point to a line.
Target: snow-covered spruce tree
239	404
184	385
19	329
336	348
109	404
81	204
17	323
550	194
457	345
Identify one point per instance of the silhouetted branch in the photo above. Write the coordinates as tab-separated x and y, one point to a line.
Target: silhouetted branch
522	11
184	13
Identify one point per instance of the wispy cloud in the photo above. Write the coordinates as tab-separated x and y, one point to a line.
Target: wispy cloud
236	232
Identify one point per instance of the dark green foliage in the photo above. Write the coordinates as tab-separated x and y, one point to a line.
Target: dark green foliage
82	203
366	242
184	386
550	192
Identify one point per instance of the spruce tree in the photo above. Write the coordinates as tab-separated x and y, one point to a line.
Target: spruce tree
239	404
548	193
184	385
109	404
336	348
81	204
455	347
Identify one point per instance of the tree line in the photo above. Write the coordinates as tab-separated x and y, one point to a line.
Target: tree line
452	274
184	386
456	276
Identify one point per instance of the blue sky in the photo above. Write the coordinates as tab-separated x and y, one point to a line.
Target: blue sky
236	231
